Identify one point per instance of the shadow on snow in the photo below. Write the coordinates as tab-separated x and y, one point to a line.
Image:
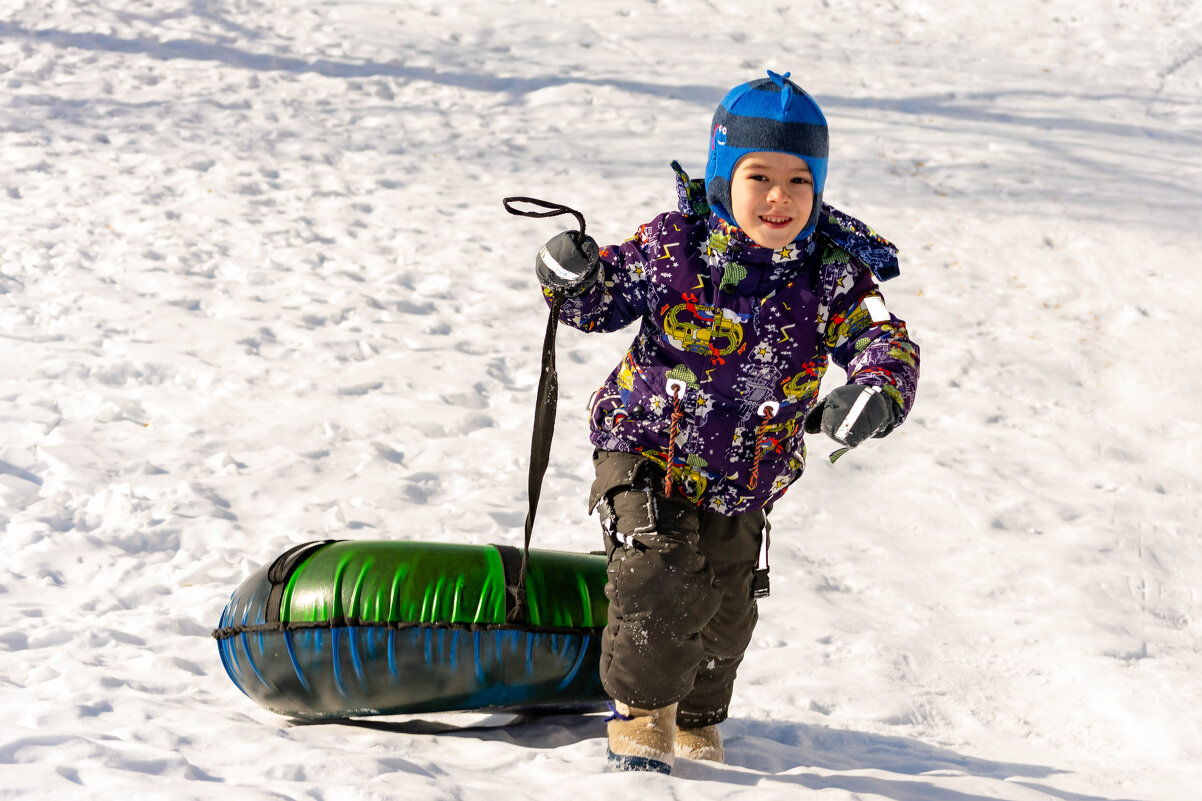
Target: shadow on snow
1070	158
759	752
242	59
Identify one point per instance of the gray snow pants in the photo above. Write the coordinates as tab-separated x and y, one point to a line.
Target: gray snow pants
681	608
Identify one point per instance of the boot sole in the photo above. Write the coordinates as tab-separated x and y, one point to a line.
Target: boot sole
636	763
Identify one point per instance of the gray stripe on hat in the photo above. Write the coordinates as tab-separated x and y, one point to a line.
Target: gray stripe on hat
759	133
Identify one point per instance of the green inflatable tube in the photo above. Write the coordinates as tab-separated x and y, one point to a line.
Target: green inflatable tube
343	628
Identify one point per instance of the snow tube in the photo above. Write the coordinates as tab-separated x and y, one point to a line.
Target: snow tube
342	628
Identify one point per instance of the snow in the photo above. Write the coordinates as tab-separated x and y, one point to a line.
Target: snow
257	288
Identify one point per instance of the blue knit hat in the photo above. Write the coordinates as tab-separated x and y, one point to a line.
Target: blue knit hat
770	114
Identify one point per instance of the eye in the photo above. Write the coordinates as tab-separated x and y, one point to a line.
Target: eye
802	180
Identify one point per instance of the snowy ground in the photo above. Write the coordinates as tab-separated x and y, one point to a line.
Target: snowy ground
257	287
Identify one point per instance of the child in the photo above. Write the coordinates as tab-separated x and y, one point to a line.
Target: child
742	296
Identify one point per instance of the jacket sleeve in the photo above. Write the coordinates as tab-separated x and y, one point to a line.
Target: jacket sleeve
622	290
869	342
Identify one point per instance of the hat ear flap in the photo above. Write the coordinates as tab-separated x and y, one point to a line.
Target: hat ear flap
717	192
815	213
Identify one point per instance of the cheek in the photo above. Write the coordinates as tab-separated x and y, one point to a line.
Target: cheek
738	193
741	200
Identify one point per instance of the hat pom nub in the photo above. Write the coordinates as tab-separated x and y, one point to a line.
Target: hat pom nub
786	88
748	121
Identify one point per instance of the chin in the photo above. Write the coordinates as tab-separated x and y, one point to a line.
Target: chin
775	240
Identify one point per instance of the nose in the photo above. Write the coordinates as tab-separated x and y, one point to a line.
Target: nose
777	194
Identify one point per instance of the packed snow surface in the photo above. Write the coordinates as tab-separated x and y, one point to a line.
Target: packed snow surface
257	287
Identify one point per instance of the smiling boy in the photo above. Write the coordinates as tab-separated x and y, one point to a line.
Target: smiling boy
743	297
772	195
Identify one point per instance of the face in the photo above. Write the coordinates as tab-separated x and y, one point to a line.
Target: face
772	195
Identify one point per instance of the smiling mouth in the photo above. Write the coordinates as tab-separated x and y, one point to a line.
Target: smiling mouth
776	220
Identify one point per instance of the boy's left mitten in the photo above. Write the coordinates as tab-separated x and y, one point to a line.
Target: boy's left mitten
565	265
853	413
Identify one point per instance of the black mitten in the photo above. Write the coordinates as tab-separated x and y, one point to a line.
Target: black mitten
853	413
565	265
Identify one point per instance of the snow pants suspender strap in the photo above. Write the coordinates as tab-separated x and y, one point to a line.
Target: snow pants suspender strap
760	586
544	414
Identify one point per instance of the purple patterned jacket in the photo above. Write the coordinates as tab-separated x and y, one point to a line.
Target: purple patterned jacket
733	342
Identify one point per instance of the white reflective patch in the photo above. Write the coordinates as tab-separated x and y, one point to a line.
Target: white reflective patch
555	267
876	307
853	415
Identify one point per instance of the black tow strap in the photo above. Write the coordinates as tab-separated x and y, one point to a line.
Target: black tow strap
544	411
280	572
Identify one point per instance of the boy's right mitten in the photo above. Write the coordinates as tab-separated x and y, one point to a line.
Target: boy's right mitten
565	265
853	413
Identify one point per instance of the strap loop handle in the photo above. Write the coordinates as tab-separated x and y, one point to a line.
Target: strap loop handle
546	402
553	210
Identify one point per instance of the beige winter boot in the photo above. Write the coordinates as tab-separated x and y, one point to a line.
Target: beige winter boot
641	739
703	742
